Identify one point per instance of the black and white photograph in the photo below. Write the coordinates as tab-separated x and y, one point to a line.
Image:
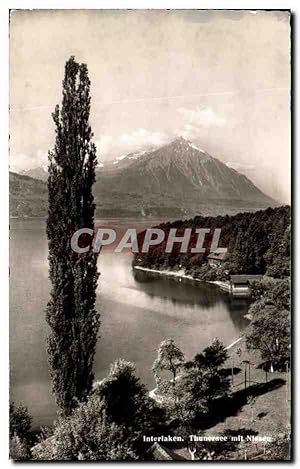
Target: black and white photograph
150	235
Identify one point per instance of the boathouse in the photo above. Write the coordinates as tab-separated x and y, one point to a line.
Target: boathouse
239	284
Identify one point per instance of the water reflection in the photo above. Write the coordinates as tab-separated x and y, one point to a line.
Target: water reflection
187	292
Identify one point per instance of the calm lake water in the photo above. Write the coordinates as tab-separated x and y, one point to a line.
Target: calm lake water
137	313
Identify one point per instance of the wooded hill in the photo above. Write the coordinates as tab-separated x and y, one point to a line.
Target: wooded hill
257	243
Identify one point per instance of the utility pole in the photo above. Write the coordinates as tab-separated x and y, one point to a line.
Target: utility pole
246	362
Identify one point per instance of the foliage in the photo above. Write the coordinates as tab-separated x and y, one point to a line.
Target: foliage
192	398
210	380
19	432
126	399
212	357
110	425
258	288
269	330
192	392
19	449
86	435
19	421
170	358
71	312
279	449
257	243
270	291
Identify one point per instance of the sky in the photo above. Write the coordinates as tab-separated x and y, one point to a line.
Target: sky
218	78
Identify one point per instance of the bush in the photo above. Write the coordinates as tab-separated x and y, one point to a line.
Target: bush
19	432
19	449
110	425
19	421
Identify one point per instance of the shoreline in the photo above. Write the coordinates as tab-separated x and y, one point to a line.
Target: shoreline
181	275
169	273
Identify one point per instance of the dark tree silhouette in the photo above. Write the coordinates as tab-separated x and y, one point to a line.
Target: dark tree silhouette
71	312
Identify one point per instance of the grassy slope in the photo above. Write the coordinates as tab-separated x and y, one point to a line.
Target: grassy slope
270	410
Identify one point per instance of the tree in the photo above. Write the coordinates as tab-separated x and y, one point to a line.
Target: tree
19	449
126	399
19	432
206	380
87	434
212	357
270	291
170	358
19	421
71	312
239	256
110	425
258	288
192	399
269	332
278	254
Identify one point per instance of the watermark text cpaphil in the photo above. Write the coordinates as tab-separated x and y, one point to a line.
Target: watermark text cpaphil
194	241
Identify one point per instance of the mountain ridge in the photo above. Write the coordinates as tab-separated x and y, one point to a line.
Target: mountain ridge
177	179
180	167
38	172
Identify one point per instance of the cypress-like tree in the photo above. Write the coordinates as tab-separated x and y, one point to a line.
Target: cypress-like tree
71	312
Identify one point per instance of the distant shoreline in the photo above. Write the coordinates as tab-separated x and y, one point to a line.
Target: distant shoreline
181	275
168	273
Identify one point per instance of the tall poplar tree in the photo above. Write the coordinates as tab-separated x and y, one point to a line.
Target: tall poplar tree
71	312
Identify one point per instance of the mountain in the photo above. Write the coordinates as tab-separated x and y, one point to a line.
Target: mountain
178	179
39	172
182	169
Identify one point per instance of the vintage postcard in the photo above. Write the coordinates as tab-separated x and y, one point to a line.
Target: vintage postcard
150	223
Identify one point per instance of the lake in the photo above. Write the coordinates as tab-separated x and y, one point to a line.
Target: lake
137	311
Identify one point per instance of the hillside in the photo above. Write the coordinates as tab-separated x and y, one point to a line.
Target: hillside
257	243
28	196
